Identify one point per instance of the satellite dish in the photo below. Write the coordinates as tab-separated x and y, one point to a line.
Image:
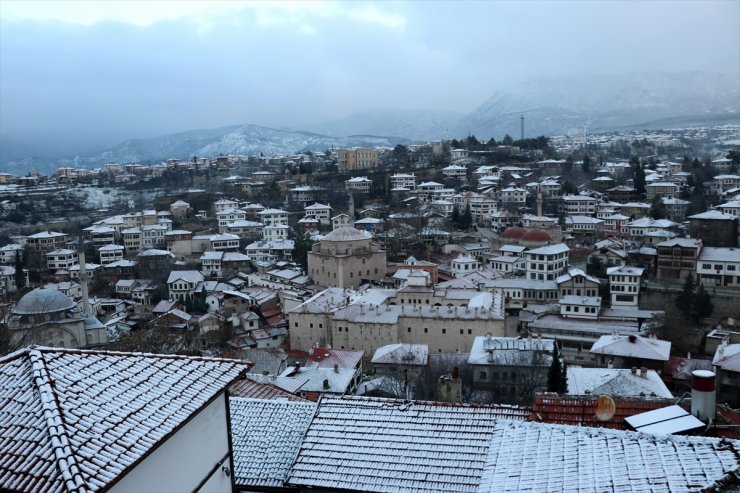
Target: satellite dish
605	408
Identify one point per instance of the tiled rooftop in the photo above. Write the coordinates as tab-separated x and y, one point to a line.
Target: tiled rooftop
581	410
266	436
75	421
533	457
364	444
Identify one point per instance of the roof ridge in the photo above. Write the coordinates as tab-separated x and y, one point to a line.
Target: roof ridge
46	349
66	461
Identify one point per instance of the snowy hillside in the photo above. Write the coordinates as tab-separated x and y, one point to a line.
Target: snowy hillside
558	105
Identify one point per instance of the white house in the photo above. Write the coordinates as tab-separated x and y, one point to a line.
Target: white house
718	266
62	258
110	253
360	184
403	180
624	286
547	263
273	216
320	212
182	283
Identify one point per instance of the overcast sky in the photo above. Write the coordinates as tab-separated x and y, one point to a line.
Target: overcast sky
102	72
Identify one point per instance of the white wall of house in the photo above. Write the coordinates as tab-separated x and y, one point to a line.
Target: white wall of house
186	458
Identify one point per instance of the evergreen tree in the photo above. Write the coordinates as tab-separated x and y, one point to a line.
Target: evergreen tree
639	179
685	298
702	303
586	164
507	141
657	208
301	247
455	218
466	219
555	373
20	277
564	379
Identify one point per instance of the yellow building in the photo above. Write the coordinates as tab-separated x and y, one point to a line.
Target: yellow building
357	158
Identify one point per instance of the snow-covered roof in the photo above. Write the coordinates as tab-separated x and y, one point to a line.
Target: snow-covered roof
549	250
347	233
316	379
401	354
627	270
190	276
382	445
613	381
76	421
537	457
572	299
633	346
514	351
714	215
266	437
42	301
575	273
727	357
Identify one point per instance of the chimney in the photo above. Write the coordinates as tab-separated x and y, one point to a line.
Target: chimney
633	338
643	372
336	368
703	394
326	383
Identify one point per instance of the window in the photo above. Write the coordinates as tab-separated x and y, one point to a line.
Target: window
426	330
408	329
483	376
444	331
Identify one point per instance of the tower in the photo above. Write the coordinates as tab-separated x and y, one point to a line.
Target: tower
539	204
351	209
522	133
83	279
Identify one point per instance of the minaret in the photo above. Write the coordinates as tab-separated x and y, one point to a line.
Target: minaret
83	279
539	204
351	210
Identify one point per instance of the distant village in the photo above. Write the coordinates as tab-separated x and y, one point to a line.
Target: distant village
316	318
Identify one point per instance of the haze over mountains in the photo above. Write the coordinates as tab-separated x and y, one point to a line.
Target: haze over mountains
552	106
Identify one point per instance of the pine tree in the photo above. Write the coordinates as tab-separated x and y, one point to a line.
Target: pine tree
685	298
564	379
20	276
657	208
639	179
586	164
467	218
702	303
555	373
455	218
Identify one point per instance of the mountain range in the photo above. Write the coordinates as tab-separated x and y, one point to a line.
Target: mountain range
550	105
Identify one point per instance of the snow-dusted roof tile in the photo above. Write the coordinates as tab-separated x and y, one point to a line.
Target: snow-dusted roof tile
537	457
74	420
365	444
266	436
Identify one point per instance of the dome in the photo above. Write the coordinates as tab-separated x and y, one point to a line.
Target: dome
40	301
347	233
536	235
512	233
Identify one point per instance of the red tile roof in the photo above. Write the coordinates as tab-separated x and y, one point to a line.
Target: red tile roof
328	357
581	410
255	390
